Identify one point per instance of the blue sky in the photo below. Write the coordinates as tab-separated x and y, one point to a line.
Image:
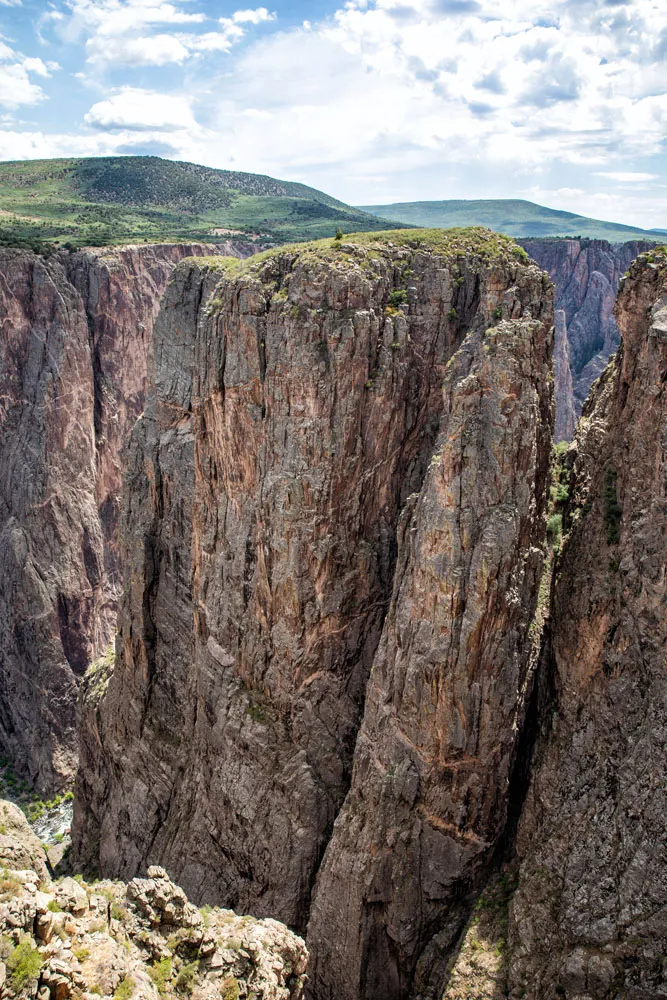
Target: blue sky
560	101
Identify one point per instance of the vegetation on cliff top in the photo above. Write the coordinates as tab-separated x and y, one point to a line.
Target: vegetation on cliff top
128	199
364	249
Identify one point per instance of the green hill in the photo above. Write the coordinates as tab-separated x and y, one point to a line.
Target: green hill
514	217
122	199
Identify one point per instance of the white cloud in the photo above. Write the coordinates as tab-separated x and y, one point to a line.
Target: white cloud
255	16
122	32
16	87
627	177
136	110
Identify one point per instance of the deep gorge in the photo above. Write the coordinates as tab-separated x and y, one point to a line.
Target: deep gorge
336	600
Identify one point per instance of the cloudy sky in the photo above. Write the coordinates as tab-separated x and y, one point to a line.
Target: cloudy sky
560	101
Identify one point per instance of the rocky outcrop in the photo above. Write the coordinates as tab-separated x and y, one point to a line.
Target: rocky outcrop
75	332
312	414
589	917
67	939
586	274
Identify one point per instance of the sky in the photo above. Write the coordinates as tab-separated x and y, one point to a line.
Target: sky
563	102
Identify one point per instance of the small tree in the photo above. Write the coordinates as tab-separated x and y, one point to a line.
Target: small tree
339	234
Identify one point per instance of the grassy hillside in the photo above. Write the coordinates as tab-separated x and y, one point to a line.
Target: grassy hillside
121	199
512	216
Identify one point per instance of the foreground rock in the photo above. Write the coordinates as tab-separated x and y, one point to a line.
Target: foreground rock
145	940
75	333
312	414
589	920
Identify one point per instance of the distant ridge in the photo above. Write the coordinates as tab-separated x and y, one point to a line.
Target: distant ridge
126	199
514	217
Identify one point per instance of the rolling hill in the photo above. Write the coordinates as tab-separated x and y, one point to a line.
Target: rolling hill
521	219
122	199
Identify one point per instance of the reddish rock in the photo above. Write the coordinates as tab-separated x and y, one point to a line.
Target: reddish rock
75	330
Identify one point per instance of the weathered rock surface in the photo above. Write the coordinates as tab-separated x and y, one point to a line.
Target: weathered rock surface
296	407
448	688
67	939
589	920
586	274
75	332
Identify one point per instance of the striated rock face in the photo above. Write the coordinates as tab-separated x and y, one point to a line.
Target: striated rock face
312	415
586	274
447	691
589	919
66	939
75	332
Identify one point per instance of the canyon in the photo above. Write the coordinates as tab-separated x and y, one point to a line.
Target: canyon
331	669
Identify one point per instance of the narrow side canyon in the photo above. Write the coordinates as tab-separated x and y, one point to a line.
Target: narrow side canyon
586	274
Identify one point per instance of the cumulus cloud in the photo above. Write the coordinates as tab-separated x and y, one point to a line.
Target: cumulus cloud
16	85
135	110
132	32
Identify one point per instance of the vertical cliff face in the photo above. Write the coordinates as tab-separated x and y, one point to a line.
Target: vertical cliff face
586	274
294	414
447	692
588	919
75	331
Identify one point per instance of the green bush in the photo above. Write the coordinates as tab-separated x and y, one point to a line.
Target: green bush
555	529
397	298
339	234
230	988
185	980
23	965
125	989
160	973
452	314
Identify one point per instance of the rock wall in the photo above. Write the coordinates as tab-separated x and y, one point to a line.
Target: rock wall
448	688
75	333
589	919
313	416
586	274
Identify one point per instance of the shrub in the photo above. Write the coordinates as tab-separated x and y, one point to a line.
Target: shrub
54	907
160	973
452	314
185	980
125	989
23	965
555	529
230	988
339	234
397	297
